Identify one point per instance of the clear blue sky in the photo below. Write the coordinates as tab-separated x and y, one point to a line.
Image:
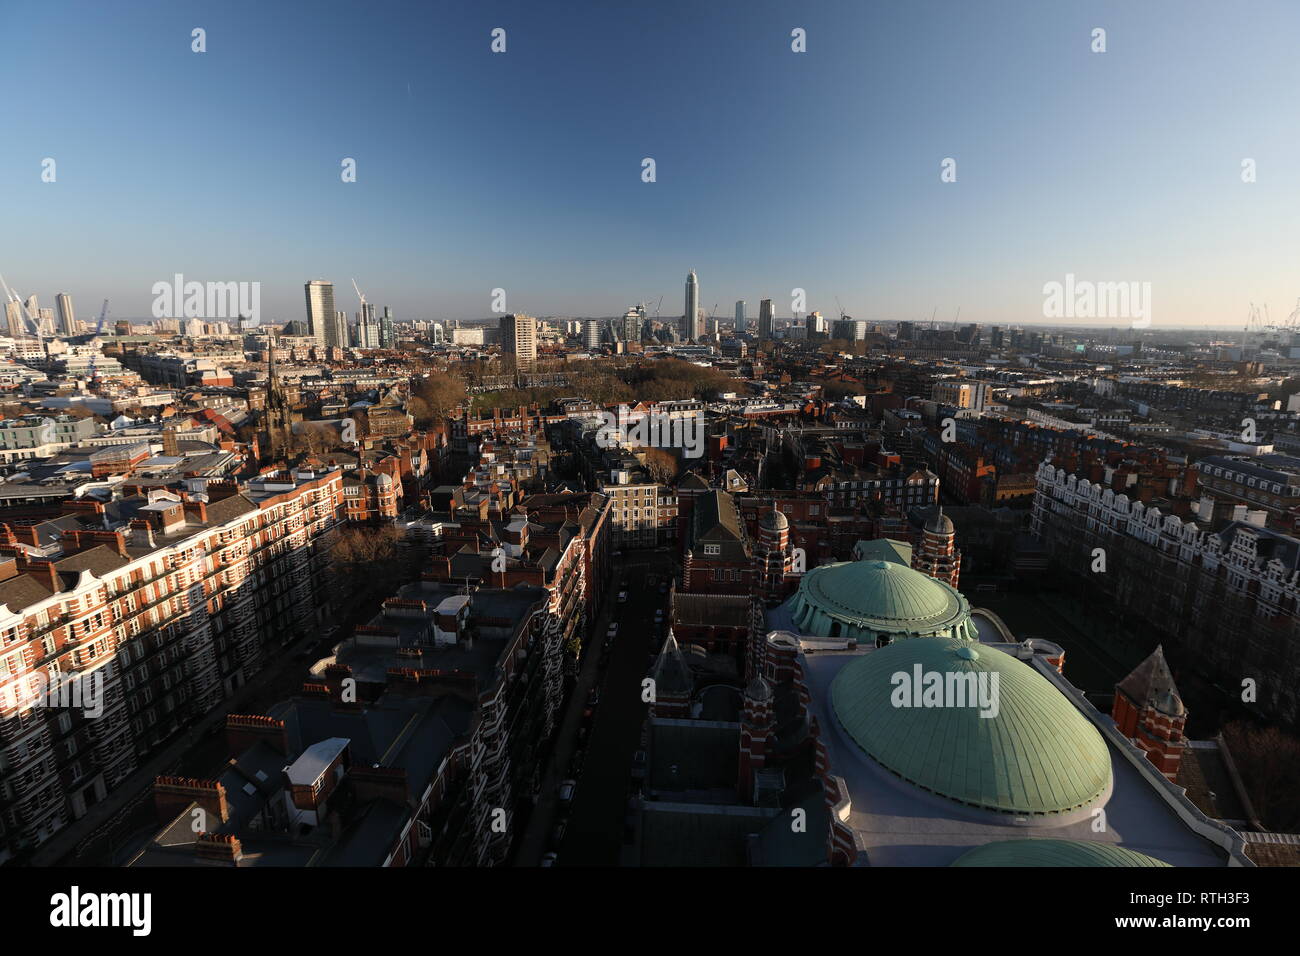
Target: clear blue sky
775	170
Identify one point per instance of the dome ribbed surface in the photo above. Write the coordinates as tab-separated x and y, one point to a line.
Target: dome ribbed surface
1037	755
876	596
1054	853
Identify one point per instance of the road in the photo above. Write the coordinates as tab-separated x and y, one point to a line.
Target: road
594	829
536	838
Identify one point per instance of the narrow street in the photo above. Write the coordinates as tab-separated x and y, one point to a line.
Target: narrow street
594	833
594	820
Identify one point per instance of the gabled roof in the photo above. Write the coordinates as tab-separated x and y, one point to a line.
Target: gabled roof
715	520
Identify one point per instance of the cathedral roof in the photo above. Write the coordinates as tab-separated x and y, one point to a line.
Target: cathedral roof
1015	745
1054	853
880	596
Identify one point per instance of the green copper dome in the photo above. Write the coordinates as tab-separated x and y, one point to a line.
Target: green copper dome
878	601
1054	853
1035	754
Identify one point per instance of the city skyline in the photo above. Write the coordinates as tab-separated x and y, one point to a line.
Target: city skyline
1099	166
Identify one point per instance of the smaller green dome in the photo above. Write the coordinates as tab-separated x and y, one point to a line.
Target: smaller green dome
874	599
1054	853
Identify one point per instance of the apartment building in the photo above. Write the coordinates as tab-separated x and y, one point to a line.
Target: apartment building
519	338
1267	482
39	436
143	613
1221	597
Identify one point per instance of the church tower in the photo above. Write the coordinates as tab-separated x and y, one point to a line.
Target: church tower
1148	711
772	557
277	411
937	554
756	729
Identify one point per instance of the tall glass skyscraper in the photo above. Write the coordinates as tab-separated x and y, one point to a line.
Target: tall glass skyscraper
691	319
320	308
740	316
67	318
766	320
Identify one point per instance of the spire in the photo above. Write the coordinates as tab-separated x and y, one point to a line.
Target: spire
1152	683
672	674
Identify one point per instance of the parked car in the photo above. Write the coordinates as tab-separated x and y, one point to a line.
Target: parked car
613	630
548	859
622	597
567	787
659	616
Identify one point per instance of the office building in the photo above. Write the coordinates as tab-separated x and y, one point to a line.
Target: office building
766	319
320	308
336	333
67	319
691	317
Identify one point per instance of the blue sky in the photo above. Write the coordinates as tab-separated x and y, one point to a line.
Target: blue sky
775	170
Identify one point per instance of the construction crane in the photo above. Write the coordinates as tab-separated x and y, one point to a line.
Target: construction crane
12	296
841	308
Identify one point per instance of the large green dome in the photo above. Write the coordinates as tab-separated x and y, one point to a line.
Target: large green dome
1054	853
878	601
1037	755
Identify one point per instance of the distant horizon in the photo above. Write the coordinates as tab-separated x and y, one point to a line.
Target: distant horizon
727	322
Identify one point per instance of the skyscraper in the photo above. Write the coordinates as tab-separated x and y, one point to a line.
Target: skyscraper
766	320
519	338
691	317
387	334
591	334
320	308
815	324
67	320
336	333
14	319
633	320
366	335
739	325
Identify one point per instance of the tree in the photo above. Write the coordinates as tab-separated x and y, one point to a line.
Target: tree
434	397
368	562
661	465
1269	761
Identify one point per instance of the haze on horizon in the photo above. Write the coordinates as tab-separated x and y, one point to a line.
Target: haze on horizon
775	170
